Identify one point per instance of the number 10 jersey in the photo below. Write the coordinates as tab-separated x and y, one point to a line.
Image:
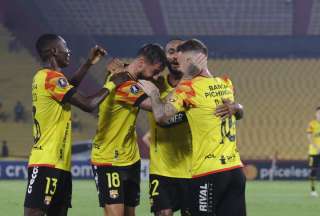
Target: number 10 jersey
214	146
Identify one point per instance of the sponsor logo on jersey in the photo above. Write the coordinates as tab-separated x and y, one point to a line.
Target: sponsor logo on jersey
223	159
62	82
134	89
116	154
209	156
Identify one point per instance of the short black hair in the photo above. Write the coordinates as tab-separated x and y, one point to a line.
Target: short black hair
174	39
43	43
171	40
193	45
154	54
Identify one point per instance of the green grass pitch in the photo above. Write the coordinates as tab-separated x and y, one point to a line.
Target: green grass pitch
263	199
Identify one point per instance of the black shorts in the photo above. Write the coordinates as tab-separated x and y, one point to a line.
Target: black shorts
48	188
219	194
168	193
118	185
314	161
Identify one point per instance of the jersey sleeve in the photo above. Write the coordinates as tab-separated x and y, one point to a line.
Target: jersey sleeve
57	85
228	81
130	93
310	128
181	97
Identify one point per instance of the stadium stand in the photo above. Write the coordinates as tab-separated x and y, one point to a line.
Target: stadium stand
228	17
277	95
279	99
117	17
314	26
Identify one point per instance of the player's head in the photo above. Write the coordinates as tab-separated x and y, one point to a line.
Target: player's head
150	61
187	52
318	113
172	55
51	47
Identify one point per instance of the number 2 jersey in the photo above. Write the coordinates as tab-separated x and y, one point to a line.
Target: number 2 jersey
170	144
52	120
115	142
213	139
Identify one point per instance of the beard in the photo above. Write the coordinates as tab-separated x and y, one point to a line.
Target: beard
174	71
140	76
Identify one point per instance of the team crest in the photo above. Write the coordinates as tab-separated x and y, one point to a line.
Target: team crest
47	200
134	89
114	194
62	82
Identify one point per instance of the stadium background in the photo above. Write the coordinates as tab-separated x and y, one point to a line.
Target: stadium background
269	48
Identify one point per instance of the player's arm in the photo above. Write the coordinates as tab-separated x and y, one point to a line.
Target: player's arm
90	103
146	104
147	138
162	111
229	108
94	56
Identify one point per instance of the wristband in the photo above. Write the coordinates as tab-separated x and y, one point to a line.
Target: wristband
110	86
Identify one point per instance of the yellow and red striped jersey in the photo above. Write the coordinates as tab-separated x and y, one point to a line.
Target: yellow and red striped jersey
170	146
52	120
214	146
115	142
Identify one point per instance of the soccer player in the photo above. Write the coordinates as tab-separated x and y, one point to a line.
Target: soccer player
49	178
170	147
115	154
218	183
313	134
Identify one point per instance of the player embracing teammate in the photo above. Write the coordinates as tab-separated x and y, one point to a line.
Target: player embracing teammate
49	178
194	162
217	186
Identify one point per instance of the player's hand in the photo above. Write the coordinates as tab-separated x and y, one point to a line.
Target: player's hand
115	66
95	54
120	78
148	87
227	109
200	61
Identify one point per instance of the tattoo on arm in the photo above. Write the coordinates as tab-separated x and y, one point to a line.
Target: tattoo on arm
146	105
162	112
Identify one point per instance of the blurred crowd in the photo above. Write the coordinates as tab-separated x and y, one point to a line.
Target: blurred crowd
18	113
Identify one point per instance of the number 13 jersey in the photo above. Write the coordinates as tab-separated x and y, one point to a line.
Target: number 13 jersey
51	120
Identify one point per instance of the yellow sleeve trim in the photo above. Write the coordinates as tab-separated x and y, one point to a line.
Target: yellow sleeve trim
110	86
